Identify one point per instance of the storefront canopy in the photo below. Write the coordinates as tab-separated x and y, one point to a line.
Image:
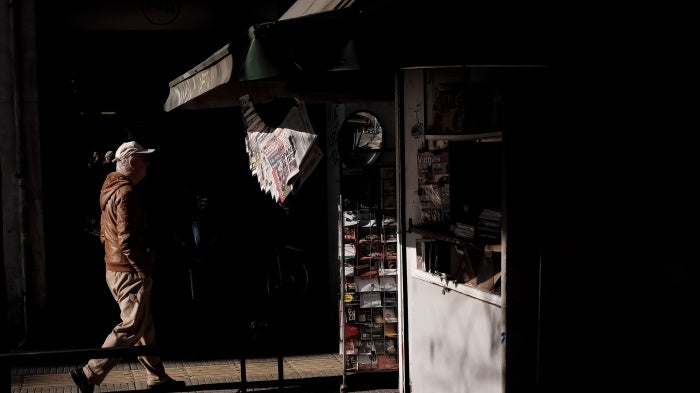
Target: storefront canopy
340	51
311	36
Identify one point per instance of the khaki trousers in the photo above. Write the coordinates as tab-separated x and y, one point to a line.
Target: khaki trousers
133	294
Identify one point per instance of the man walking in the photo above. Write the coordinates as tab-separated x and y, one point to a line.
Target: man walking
129	269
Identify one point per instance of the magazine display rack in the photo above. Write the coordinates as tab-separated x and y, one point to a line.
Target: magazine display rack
369	303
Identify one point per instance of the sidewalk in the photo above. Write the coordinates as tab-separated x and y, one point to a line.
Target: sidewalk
301	374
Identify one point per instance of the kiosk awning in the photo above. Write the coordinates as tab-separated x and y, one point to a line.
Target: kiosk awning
311	36
345	50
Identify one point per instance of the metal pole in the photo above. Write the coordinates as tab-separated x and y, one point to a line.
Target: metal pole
341	307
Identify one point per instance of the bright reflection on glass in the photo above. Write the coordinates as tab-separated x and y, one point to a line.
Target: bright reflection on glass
361	139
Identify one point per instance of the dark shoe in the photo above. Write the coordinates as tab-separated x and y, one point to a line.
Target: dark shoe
81	381
169	386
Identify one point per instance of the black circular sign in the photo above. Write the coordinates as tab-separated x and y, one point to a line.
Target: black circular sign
160	12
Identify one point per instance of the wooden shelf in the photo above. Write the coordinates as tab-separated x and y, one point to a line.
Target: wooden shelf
439	235
451	285
495	136
454	239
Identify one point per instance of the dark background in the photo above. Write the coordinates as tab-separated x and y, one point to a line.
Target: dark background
96	58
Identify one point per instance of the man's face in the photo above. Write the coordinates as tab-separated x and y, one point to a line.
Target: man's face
139	164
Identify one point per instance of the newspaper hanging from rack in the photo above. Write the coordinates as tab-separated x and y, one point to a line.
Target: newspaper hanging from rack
283	157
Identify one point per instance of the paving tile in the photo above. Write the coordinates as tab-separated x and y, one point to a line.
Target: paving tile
215	375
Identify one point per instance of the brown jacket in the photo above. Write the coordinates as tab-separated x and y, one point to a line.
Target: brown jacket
122	226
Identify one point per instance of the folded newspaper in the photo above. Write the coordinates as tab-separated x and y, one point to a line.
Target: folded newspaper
283	157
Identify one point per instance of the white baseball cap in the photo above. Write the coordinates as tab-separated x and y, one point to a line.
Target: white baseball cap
127	149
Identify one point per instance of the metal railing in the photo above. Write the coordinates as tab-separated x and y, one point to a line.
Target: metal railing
16	358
